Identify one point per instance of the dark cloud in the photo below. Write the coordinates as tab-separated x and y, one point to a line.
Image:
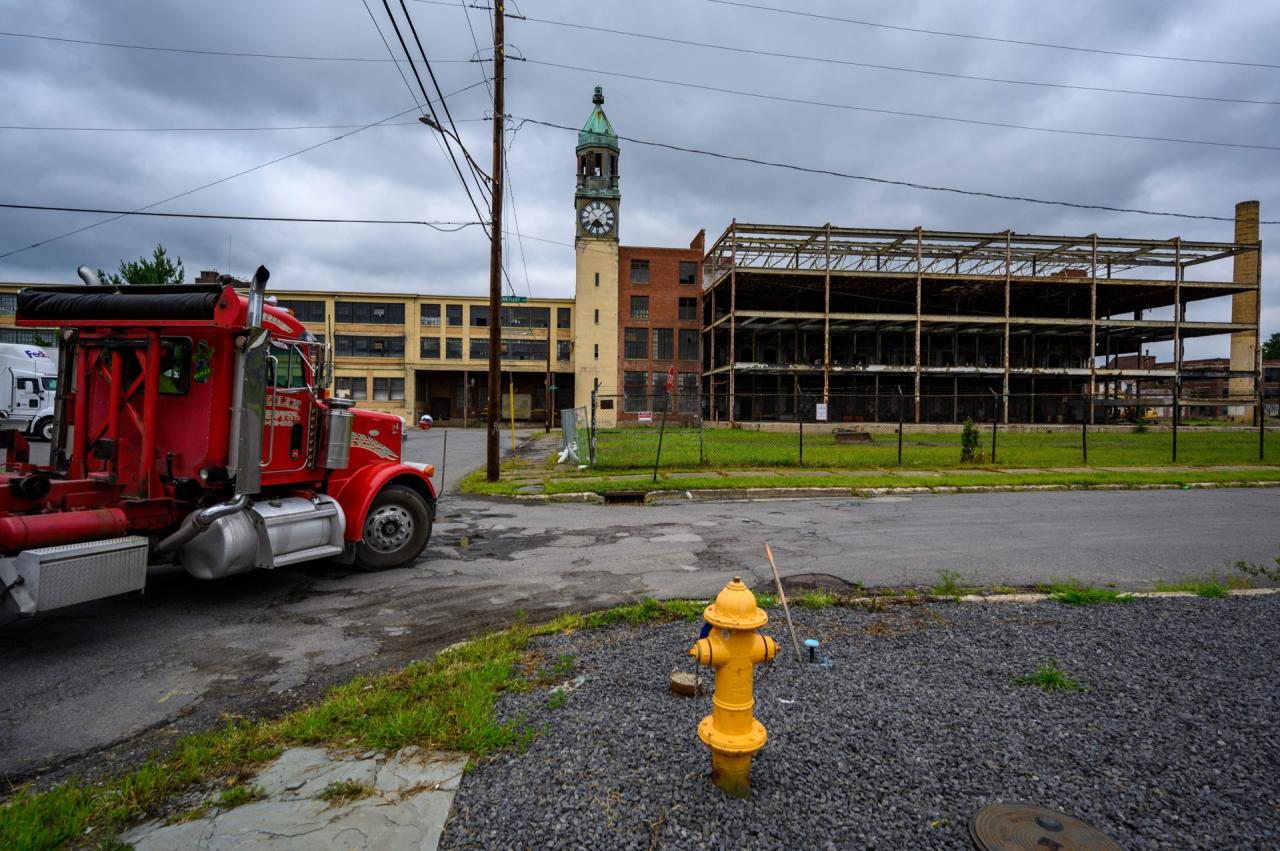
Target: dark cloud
400	172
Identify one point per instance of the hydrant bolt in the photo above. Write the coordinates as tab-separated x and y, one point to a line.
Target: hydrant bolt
732	649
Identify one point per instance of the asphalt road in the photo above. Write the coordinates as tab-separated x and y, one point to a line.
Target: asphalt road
98	685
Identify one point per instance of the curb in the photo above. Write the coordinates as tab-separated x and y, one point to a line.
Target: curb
1040	598
749	494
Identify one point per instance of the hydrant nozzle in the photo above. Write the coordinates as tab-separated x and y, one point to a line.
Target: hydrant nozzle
733	648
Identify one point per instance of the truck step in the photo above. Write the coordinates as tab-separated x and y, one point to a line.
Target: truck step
309	554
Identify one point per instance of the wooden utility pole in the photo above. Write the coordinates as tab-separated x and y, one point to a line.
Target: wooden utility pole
495	256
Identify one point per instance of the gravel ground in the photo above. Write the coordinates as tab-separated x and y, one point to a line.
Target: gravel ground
914	726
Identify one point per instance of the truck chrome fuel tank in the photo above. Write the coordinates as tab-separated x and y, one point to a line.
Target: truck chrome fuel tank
270	533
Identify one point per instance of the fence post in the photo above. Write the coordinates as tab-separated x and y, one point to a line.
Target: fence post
995	419
800	414
591	433
1176	382
1084	435
900	401
661	430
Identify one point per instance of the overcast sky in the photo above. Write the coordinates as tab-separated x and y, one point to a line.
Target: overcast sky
399	171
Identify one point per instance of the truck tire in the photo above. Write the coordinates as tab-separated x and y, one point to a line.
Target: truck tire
396	529
43	429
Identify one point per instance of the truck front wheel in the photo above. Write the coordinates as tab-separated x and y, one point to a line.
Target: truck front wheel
44	429
396	529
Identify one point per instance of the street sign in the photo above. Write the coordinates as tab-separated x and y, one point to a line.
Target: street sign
820	412
671	379
514	299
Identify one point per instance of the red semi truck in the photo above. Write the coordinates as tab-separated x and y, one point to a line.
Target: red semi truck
193	427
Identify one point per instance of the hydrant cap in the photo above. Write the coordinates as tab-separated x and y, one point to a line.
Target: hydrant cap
735	608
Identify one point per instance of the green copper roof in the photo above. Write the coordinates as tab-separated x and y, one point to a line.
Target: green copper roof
598	131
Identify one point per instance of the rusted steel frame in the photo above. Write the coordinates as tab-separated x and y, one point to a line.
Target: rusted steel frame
733	306
1177	308
919	310
1093	325
1008	283
1261	412
826	316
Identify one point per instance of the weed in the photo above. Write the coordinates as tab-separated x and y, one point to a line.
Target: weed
341	792
949	585
1259	571
238	795
1002	589
766	601
557	699
816	598
196	812
1049	677
1076	593
647	610
971	451
564	665
112	842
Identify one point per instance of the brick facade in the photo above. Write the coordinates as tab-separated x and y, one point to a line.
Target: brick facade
662	292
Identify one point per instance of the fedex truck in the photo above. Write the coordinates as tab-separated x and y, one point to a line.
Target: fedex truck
28	385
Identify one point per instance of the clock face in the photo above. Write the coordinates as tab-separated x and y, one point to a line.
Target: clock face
597	218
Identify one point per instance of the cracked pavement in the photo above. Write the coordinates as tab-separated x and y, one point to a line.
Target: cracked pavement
96	687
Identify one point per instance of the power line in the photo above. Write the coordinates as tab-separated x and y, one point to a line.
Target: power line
448	148
974	37
240	54
219	180
904	183
72	129
445	227
896	68
923	115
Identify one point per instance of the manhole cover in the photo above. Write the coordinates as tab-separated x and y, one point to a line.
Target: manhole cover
1026	827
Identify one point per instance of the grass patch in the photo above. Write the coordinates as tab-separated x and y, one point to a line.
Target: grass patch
766	601
564	665
1049	677
238	795
1076	593
815	598
445	703
341	792
1211	587
948	585
559	697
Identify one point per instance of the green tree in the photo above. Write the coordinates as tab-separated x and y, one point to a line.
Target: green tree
1271	348
156	270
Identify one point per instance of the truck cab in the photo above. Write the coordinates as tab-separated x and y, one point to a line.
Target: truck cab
28	386
195	427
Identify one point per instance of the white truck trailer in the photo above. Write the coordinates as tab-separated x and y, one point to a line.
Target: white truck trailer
28	385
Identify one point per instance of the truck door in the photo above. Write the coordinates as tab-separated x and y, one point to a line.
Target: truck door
26	395
288	443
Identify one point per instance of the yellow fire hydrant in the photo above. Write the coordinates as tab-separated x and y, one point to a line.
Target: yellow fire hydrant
732	648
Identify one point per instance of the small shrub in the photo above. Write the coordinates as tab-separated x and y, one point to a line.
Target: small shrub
971	451
816	598
1049	677
948	585
342	792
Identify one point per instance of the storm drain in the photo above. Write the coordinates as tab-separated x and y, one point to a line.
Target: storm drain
1026	827
624	497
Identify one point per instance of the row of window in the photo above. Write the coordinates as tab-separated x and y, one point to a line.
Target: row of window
384	389
640	308
392	313
640	272
635	343
512	349
647	391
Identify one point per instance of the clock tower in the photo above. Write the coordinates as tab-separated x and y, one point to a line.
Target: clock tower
596	200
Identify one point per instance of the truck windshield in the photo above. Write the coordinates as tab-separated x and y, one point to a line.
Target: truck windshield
50	384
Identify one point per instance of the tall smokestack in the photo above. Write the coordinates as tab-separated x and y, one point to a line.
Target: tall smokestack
1244	311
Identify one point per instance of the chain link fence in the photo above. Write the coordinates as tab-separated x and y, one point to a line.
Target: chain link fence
852	431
